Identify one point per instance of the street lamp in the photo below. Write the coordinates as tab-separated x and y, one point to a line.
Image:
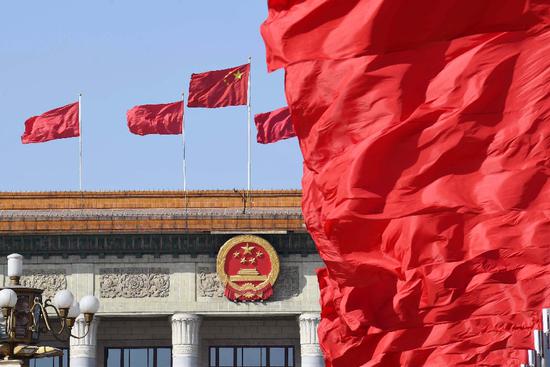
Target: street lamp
25	314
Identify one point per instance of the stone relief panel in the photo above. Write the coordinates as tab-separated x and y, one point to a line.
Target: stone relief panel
208	284
134	282
287	284
50	281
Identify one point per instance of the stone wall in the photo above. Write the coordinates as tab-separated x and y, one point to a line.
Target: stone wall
163	285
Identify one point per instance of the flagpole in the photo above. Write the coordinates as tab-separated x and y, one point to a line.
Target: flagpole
183	141
80	138
249	110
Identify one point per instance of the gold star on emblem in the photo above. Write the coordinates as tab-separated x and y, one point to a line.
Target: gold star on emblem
243	260
247	249
252	260
236	254
259	254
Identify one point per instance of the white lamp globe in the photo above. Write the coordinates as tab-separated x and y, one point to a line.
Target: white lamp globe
89	304
74	311
63	299
15	265
8	298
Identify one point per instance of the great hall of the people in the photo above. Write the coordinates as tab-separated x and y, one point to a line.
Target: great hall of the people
202	278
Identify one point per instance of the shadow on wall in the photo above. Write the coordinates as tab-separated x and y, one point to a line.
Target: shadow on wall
289	284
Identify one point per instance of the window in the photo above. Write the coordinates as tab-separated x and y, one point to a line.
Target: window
280	356
52	361
138	357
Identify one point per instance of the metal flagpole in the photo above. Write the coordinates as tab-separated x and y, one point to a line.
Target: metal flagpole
249	123
80	138
545	336
183	140
538	348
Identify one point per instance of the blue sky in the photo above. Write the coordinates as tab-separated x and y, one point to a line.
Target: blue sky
120	53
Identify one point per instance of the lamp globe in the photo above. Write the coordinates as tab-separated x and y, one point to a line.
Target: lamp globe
89	304
8	298
63	299
74	311
15	265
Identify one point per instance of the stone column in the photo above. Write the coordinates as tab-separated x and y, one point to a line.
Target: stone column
310	350
185	340
11	363
83	351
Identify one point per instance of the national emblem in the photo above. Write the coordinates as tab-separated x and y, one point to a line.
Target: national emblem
248	267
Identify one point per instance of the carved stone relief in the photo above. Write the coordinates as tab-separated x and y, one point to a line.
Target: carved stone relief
286	286
288	283
208	284
134	283
50	281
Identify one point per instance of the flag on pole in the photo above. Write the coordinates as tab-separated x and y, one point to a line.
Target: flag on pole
163	119
424	127
274	126
59	123
219	88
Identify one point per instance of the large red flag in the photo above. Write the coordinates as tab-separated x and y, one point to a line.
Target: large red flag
274	126
59	123
163	119
425	132
219	88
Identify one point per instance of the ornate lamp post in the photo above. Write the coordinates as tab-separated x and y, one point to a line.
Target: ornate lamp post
26	315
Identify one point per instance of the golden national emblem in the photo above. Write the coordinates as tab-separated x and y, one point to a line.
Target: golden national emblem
248	267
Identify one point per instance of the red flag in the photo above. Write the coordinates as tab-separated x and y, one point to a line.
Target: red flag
274	126
163	119
59	123
424	128
219	88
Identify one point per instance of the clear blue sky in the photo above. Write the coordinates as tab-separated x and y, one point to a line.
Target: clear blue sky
120	53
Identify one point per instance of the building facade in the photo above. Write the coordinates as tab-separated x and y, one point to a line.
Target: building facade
152	258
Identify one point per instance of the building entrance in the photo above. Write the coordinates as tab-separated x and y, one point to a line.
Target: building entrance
251	356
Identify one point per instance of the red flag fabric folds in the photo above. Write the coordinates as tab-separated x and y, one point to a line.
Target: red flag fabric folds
163	119
274	126
219	88
59	123
425	133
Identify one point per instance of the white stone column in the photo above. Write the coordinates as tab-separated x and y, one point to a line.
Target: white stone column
11	363
309	341
185	340
83	351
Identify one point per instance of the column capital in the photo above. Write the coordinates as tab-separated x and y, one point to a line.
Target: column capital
309	341
185	329
80	329
83	350
309	321
11	363
313	316
185	339
185	317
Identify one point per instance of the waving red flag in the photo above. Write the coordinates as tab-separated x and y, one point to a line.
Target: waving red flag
59	123
424	127
274	126
163	119
219	88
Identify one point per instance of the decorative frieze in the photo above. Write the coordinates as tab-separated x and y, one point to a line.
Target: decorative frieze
51	281
286	286
208	283
288	283
134	282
